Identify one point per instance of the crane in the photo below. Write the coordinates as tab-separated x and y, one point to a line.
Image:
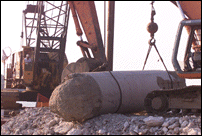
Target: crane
120	92
98	89
45	26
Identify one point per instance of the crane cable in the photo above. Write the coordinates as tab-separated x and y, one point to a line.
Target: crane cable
152	28
104	24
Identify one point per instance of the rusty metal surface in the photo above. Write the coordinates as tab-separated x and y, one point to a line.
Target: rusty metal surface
82	65
88	17
76	21
9	98
190	8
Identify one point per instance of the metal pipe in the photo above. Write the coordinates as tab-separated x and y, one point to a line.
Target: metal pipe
86	95
181	11
110	35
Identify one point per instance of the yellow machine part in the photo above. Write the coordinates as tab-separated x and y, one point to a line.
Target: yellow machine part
28	77
28	73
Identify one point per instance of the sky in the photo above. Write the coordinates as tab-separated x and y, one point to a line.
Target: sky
130	34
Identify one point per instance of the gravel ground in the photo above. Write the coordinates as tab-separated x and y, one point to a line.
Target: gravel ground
41	121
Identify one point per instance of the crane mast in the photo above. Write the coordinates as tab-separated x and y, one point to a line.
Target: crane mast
45	27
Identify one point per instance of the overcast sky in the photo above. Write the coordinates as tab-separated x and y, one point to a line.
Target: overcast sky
130	34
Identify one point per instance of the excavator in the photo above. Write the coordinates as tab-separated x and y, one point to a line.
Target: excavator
103	90
186	98
85	93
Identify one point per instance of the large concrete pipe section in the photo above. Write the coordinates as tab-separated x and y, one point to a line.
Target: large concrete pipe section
85	95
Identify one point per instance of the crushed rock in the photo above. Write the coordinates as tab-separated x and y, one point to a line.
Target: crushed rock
41	121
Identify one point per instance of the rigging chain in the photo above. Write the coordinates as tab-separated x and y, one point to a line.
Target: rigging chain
152	28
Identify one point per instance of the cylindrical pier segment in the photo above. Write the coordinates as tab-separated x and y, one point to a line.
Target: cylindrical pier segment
85	95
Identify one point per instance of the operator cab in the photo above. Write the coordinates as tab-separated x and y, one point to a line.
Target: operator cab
191	62
193	51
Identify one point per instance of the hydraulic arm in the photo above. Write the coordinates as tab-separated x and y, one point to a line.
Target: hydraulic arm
84	12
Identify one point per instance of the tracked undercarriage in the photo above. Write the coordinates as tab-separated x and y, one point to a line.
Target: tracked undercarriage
185	100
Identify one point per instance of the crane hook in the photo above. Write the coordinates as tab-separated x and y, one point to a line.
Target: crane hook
152	41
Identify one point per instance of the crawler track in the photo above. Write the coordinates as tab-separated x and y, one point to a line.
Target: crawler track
186	100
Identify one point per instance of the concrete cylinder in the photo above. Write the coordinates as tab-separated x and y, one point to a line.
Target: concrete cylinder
85	95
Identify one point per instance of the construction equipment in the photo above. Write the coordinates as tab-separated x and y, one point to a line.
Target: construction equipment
44	29
85	12
186	98
118	94
162	93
